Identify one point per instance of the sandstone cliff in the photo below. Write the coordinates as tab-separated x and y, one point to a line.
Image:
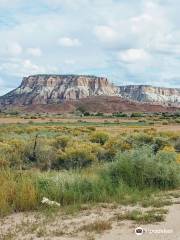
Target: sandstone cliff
44	89
149	94
53	89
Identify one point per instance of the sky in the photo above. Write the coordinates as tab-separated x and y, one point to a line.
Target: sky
128	41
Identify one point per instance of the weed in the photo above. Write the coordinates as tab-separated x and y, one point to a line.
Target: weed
97	226
151	216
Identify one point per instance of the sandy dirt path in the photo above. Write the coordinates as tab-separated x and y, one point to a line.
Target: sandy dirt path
168	230
32	226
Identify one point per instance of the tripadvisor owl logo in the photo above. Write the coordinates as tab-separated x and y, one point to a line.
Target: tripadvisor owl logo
139	231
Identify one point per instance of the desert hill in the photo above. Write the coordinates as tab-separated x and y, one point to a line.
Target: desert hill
68	92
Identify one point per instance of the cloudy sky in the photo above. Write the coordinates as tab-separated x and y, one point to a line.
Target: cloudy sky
129	41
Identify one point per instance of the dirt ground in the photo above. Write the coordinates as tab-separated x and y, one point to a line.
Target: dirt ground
168	230
8	120
34	226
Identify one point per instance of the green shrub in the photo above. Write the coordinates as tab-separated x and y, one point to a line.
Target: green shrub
140	139
99	137
177	145
76	156
141	168
45	157
120	114
137	114
159	143
177	120
165	123
61	142
12	154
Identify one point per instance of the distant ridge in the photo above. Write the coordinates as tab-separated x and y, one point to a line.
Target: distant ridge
45	89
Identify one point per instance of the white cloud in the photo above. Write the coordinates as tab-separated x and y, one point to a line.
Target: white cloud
9	3
3	88
69	42
132	40
133	56
105	33
69	4
14	49
36	52
21	67
69	61
29	66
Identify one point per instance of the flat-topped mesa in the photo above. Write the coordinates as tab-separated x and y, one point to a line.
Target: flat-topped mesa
48	89
151	94
44	89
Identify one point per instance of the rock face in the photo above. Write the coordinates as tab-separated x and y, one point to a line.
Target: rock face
50	89
45	89
149	94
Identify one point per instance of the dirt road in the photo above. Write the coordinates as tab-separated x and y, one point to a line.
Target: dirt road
98	223
168	230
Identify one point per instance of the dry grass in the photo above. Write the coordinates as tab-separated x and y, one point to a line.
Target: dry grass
147	217
97	226
155	202
23	190
17	193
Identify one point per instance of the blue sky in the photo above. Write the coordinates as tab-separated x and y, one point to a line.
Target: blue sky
129	41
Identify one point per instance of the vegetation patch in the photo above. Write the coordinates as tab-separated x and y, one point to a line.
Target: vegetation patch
81	165
151	216
97	226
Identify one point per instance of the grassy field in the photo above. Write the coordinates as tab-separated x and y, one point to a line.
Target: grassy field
79	162
85	162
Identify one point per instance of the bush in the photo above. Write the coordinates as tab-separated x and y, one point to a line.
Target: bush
5	155
120	114
45	157
12	154
61	142
99	137
137	114
141	168
159	143
165	123
140	139
99	114
114	145
81	109
76	156
39	153
177	145
177	120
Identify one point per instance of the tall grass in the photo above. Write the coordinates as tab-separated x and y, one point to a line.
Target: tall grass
132	177
142	168
17	192
123	168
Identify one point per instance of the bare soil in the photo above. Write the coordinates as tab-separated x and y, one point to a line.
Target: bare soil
105	104
8	120
97	223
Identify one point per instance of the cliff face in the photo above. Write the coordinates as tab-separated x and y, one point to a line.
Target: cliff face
47	89
149	94
44	89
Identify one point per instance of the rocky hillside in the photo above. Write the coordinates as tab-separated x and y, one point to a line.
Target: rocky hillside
54	89
45	89
94	104
149	94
